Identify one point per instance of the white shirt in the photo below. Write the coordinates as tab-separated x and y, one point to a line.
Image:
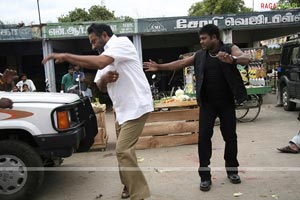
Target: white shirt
30	84
130	94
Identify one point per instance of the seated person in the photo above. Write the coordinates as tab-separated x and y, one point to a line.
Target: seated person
25	88
87	93
15	89
294	144
24	80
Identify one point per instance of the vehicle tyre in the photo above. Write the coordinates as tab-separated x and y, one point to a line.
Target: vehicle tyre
287	104
19	182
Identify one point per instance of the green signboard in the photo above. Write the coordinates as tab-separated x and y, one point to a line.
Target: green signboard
159	25
234	21
77	30
23	33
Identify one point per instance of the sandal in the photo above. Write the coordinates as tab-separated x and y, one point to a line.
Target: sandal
287	149
125	193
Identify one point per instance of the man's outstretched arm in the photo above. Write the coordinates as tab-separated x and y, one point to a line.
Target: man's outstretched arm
89	62
175	65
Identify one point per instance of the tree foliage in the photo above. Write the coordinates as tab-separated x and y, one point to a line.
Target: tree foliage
94	13
212	7
77	15
101	13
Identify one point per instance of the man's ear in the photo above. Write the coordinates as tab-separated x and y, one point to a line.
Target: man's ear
104	34
213	37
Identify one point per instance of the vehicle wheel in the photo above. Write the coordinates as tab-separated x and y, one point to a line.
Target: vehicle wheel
287	104
16	180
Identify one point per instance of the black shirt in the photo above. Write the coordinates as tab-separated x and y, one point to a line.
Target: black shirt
215	87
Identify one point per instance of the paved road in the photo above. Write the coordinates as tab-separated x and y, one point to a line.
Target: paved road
172	172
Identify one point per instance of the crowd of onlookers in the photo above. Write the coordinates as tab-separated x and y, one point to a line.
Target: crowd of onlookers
10	81
72	82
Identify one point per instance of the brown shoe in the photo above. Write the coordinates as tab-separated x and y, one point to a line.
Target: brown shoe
125	193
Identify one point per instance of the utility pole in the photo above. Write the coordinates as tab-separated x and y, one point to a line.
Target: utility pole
38	4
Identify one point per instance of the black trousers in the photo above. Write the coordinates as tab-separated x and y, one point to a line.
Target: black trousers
208	114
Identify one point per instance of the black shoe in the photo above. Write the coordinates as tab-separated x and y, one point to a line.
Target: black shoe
205	185
234	178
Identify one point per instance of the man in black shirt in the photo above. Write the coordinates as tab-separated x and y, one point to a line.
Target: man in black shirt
218	86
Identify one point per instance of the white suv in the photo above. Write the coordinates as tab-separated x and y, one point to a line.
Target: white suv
40	130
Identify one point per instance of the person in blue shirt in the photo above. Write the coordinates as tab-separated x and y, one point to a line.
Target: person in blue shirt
79	77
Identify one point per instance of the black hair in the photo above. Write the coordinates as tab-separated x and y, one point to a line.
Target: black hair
23	75
71	66
98	29
211	30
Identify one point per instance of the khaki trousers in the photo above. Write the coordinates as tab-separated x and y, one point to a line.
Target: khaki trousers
130	174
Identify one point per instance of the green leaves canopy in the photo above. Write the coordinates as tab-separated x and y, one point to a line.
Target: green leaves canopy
212	7
77	15
94	13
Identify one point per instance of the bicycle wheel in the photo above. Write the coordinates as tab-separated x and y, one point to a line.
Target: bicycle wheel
250	110
241	113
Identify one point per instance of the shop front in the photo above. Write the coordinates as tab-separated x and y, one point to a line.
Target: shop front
159	39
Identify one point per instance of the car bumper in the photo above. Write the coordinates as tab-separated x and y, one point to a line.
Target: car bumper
60	144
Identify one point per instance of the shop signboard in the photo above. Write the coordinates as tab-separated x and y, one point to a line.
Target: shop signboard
23	33
233	21
77	30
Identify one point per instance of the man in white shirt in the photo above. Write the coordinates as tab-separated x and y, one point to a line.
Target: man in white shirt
120	73
26	81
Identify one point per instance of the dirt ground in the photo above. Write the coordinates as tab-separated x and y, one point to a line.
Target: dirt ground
172	172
